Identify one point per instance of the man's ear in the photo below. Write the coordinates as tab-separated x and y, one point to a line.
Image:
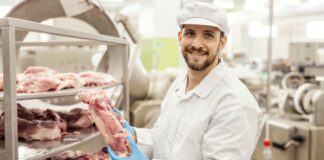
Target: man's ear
179	36
223	41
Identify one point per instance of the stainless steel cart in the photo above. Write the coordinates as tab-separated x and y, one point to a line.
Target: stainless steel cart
9	98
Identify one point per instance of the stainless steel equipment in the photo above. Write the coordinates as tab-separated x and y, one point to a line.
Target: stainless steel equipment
296	140
9	97
297	130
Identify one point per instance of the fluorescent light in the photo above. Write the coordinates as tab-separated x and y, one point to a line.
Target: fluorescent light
315	29
258	30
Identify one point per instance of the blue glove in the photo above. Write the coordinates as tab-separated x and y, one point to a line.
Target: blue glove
126	125
136	154
117	111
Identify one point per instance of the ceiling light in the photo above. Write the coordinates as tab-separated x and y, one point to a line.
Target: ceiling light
315	29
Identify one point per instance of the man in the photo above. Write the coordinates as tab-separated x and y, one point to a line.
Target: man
207	113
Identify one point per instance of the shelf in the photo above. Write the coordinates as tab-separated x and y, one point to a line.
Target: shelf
44	149
8	26
59	43
37	27
54	94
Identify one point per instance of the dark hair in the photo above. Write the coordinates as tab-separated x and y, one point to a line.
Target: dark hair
222	34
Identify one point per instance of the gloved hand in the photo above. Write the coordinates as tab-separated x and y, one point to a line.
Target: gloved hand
136	154
126	125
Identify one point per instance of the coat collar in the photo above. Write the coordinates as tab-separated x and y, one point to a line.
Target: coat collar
205	86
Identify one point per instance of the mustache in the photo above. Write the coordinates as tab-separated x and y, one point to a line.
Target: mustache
192	49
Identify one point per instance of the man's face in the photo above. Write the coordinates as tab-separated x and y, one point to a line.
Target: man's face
200	45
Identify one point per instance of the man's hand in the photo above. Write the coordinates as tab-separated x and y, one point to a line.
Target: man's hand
126	125
136	154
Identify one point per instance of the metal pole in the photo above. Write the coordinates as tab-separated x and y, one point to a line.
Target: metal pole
10	107
269	56
125	104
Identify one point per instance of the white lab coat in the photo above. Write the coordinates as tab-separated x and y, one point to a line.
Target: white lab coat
218	119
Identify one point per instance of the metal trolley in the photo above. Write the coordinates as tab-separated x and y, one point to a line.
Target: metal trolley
9	98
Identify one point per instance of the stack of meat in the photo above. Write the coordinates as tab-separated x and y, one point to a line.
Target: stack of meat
107	121
41	79
47	125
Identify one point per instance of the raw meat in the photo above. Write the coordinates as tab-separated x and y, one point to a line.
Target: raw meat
41	79
38	69
40	82
69	80
97	78
77	118
108	122
37	125
38	130
70	155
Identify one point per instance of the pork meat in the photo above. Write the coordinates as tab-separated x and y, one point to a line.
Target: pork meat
107	121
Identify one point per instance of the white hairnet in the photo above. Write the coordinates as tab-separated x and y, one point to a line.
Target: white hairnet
203	13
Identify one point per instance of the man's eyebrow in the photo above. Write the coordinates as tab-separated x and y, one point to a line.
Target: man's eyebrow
191	30
209	31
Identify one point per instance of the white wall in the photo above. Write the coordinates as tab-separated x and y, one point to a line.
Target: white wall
165	24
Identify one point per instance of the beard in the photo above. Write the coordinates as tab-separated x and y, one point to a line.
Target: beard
200	51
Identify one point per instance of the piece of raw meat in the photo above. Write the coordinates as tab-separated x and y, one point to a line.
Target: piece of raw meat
72	155
69	80
97	78
37	125
41	82
38	69
108	122
18	77
38	130
77	118
101	155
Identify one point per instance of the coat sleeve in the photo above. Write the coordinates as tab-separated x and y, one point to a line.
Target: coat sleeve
232	133
145	138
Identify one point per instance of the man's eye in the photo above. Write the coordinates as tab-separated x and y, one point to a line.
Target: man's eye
208	36
189	34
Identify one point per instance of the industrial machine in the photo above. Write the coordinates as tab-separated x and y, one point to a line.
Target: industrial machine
297	130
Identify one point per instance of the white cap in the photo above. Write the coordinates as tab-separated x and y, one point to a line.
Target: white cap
203	13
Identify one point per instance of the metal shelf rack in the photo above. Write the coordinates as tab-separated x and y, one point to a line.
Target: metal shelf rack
8	27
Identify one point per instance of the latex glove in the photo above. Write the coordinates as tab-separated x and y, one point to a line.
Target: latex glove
126	125
136	154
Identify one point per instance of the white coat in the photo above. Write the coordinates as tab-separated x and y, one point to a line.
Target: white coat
219	119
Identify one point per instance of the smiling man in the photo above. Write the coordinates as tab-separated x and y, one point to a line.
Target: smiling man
207	113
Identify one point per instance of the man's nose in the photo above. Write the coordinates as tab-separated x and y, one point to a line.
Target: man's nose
197	43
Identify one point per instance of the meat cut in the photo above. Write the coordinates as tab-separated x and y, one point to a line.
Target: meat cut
47	124
41	79
108	122
96	78
77	118
69	80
